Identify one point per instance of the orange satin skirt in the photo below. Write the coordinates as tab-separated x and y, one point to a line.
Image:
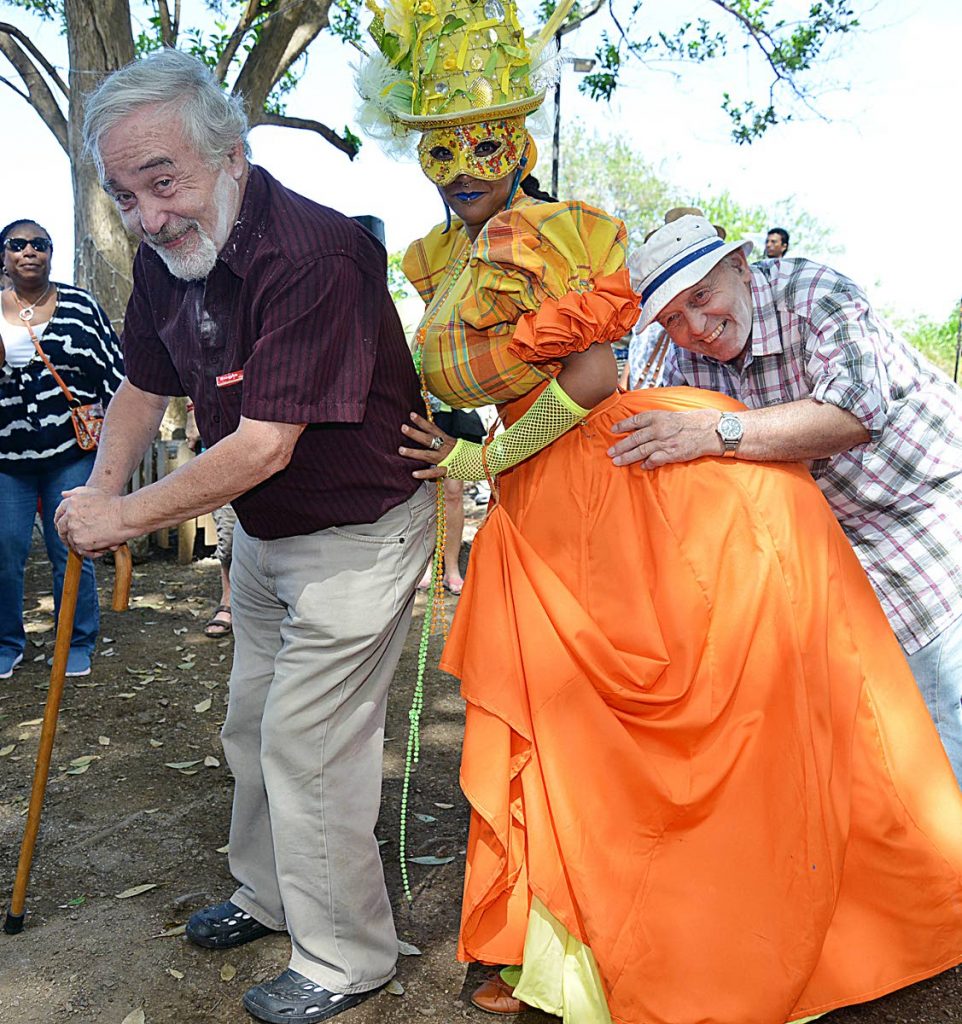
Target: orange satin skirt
692	735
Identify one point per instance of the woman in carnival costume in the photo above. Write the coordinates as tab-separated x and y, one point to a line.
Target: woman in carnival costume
704	786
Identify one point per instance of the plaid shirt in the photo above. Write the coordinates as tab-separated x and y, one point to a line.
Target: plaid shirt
898	496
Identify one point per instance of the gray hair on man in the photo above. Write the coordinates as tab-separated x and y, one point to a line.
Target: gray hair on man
213	121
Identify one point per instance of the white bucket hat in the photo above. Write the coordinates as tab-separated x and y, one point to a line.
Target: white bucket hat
673	258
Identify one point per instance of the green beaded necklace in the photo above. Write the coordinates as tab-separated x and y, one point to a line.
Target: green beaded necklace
434	616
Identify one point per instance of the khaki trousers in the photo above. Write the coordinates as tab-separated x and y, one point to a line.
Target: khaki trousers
319	623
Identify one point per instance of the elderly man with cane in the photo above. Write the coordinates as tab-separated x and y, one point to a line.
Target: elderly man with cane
273	313
827	382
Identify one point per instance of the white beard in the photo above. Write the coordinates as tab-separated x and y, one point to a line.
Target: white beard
199	262
190	266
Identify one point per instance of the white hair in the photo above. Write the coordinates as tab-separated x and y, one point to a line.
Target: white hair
213	121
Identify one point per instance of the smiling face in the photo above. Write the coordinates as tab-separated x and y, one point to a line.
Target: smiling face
169	195
28	269
714	317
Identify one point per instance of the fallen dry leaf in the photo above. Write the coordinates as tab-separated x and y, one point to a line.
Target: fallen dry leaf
211	762
136	890
407	949
104	741
175	974
135	1017
203	706
227	972
7	750
394	988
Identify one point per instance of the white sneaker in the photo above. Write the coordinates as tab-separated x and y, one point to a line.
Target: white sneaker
7	667
78	663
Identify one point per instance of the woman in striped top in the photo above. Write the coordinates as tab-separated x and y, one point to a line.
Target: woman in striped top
39	454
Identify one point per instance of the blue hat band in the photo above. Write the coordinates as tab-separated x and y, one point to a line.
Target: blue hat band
666	275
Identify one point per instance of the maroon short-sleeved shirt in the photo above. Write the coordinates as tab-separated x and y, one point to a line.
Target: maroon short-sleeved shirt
298	301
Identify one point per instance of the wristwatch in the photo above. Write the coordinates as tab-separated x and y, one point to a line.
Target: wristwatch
730	431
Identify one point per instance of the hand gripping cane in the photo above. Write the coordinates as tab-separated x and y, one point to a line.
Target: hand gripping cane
13	924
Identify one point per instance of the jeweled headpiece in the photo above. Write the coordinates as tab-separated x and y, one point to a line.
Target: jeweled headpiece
452	62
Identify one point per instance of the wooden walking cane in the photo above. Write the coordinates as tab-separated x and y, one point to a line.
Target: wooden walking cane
13	924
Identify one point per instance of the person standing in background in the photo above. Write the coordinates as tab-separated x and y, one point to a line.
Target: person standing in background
39	452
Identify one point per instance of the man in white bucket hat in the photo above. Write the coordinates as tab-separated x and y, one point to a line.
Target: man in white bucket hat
825	381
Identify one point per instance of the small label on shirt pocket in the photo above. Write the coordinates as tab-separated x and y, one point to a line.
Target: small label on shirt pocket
225	380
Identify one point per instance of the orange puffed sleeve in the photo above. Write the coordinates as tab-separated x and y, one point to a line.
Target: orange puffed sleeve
570	324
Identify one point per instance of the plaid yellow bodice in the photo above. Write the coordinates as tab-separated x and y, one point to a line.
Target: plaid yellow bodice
476	294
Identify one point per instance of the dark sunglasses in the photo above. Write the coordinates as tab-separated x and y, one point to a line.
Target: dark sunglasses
19	244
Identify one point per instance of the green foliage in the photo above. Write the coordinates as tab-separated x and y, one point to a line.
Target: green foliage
351	138
786	48
147	40
609	173
748	122
397	282
345	17
936	341
45	9
699	45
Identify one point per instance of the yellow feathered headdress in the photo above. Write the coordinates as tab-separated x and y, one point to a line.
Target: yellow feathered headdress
452	62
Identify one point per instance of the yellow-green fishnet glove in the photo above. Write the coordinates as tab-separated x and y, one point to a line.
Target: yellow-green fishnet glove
552	414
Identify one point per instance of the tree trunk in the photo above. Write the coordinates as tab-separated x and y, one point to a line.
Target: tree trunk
99	40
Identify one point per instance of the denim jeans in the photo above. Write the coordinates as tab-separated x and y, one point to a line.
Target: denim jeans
937	668
19	493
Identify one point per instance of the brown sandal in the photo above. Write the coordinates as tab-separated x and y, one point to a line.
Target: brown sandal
496	996
216	628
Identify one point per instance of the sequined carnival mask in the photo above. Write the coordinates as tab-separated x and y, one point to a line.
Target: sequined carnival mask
488	150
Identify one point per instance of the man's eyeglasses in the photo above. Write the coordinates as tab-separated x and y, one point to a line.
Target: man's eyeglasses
19	244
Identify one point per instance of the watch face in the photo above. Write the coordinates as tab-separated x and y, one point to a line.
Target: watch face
730	428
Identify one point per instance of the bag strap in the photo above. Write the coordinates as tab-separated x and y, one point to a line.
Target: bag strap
56	376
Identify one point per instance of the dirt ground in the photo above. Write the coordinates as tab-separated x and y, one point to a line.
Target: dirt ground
119	816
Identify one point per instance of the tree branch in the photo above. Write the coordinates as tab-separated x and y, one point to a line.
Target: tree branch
25	42
577	23
167	34
39	94
241	29
284	36
328	134
759	36
19	92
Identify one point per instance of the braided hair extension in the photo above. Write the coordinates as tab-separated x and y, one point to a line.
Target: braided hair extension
530	186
